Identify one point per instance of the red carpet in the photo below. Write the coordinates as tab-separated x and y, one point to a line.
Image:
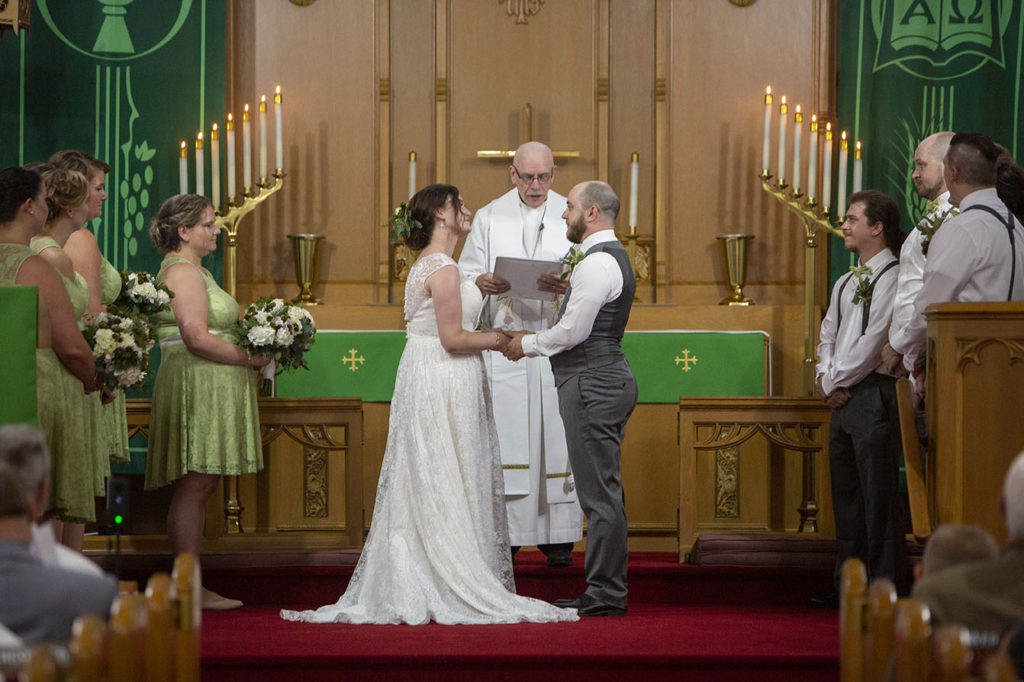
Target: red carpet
684	622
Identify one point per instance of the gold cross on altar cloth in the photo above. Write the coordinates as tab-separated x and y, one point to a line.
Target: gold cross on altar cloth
355	362
686	360
525	134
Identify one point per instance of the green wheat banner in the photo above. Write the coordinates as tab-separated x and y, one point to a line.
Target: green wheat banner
909	68
124	81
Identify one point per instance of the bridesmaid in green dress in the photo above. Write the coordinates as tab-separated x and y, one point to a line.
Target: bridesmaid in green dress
205	418
64	364
104	282
76	481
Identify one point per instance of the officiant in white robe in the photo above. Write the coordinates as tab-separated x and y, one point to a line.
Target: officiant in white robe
526	222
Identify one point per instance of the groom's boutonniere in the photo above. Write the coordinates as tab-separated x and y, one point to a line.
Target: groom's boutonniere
863	290
571	258
930	224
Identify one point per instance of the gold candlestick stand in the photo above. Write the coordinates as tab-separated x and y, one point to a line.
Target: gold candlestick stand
251	198
815	218
640	249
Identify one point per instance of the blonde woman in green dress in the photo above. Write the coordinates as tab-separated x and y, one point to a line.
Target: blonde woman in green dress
64	364
66	194
103	279
205	418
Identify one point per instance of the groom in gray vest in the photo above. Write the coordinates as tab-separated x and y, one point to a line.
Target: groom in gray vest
596	388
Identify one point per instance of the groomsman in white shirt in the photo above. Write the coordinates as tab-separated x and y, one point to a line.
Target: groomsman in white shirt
931	186
864	436
526	222
978	255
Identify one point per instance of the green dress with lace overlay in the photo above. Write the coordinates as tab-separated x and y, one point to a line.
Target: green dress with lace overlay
114	423
69	420
205	416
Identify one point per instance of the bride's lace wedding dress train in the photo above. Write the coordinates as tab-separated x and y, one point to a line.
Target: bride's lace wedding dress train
438	545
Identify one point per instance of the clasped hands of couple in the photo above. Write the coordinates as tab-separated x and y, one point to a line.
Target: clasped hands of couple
489	283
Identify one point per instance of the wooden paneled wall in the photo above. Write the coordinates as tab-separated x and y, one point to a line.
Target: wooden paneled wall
678	81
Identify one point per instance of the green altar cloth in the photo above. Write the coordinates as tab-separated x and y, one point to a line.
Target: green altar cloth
18	340
667	365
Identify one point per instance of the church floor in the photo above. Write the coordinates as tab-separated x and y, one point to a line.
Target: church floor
684	621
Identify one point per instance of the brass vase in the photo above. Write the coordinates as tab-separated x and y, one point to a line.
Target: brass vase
307	263
735	248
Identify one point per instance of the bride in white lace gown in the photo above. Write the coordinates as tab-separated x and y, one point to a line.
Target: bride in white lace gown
438	545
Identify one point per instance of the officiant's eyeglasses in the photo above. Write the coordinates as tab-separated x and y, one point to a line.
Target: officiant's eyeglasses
543	178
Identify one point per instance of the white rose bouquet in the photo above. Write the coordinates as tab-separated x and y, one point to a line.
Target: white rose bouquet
275	327
142	293
120	345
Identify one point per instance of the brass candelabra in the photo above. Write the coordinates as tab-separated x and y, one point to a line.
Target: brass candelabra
815	218
251	198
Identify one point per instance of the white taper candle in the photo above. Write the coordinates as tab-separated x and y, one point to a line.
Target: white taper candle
183	169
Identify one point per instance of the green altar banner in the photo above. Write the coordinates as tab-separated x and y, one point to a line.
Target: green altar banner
18	339
126	82
909	68
667	365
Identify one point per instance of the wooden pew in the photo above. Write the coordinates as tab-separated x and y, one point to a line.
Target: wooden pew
879	625
912	642
88	648
951	654
852	593
917	487
188	605
160	618
143	633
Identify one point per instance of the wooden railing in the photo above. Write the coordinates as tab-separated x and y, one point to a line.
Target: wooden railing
294	505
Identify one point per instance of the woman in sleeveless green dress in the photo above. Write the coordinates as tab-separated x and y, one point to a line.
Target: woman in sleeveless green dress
64	364
77	481
104	282
205	418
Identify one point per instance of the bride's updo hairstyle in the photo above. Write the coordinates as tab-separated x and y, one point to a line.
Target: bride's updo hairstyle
17	185
181	210
65	190
422	206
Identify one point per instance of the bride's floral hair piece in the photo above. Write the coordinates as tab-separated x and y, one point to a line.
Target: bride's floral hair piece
403	223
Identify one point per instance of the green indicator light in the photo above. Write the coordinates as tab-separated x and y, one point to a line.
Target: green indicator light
118	519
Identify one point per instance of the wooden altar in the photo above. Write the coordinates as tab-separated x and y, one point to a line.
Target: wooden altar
309	494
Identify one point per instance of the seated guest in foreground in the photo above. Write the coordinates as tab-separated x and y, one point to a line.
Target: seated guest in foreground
985	595
864	435
953	544
205	421
38	603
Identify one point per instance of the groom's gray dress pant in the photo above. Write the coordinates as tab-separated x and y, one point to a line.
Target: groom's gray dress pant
595	405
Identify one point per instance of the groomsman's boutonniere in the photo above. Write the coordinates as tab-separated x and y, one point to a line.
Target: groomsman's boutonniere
572	258
930	224
863	290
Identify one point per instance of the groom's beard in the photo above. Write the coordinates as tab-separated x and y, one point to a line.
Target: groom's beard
575	230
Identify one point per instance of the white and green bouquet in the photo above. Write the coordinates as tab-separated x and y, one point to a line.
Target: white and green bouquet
120	343
141	292
275	327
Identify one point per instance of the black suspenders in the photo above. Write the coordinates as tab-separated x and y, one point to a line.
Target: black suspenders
867	302
1013	246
